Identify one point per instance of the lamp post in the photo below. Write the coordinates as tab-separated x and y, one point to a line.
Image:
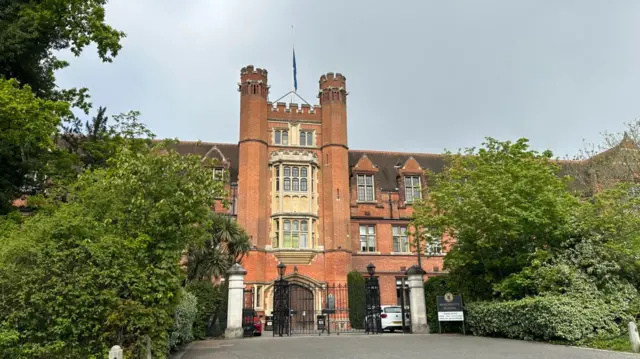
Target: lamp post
282	268
371	269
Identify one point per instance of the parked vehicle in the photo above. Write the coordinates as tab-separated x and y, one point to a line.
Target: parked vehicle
251	323
391	318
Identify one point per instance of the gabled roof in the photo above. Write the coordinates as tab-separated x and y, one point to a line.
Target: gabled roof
387	162
222	152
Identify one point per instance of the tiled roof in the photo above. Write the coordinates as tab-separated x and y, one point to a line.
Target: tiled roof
385	161
219	151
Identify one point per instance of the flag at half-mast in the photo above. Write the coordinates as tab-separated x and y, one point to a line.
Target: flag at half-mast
295	72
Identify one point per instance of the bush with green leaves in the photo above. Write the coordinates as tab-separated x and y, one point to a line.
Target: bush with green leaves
103	268
183	320
209	303
570	319
356	285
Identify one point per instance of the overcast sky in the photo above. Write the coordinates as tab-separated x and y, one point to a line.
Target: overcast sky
422	75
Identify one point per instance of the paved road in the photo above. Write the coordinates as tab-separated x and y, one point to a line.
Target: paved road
389	346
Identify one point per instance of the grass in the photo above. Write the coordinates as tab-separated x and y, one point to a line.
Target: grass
620	343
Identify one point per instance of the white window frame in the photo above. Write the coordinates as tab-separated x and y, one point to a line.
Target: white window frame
362	184
437	243
411	191
218	173
399	235
368	237
258	296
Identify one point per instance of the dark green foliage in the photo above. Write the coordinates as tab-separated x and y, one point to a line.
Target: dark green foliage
103	268
209	304
227	244
357	308
570	319
32	32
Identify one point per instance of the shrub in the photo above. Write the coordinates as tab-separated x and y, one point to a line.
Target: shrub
355	283
565	318
209	303
184	317
434	287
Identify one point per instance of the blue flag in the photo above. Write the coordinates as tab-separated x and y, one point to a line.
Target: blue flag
295	71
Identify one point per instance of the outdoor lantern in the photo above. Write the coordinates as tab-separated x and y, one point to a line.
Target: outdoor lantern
371	269
281	269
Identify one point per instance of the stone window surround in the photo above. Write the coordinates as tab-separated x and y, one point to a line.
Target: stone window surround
311	222
289	130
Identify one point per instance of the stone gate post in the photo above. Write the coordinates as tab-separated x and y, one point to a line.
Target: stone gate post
235	302
419	323
115	352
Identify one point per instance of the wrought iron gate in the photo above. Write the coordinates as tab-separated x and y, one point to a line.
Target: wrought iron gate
373	323
248	313
281	309
323	309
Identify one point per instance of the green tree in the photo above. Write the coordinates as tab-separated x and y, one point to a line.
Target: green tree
501	203
103	267
27	125
32	31
227	244
357	307
209	303
93	142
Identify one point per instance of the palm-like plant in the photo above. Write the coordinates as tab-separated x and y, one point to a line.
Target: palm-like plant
228	244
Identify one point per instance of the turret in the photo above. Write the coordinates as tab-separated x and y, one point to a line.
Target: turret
333	99
253	175
335	172
253	90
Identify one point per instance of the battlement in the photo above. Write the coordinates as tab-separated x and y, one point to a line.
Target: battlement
294	111
331	80
250	73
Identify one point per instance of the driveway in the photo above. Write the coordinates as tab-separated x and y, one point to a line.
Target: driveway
388	346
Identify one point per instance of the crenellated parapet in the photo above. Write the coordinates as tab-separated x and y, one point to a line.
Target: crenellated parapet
253	82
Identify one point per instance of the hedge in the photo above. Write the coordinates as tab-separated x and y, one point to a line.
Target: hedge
357	305
558	318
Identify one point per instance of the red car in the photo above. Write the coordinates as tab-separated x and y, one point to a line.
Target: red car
251	320
258	325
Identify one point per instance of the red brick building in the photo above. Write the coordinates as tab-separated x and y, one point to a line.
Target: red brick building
309	201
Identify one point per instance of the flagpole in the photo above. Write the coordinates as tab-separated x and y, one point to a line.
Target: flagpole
293	47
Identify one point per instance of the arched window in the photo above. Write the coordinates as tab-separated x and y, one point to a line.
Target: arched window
303	185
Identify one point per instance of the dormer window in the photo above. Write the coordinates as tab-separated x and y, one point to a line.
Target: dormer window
306	138
281	137
412	188
218	173
365	188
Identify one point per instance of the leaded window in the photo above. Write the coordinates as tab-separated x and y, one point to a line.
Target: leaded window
367	238
365	188
412	188
400	240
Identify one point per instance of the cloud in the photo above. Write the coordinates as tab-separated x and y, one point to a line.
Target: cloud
422	76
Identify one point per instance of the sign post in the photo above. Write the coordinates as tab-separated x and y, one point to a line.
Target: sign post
450	309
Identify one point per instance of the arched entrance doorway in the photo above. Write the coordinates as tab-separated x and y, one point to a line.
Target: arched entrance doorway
302	309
